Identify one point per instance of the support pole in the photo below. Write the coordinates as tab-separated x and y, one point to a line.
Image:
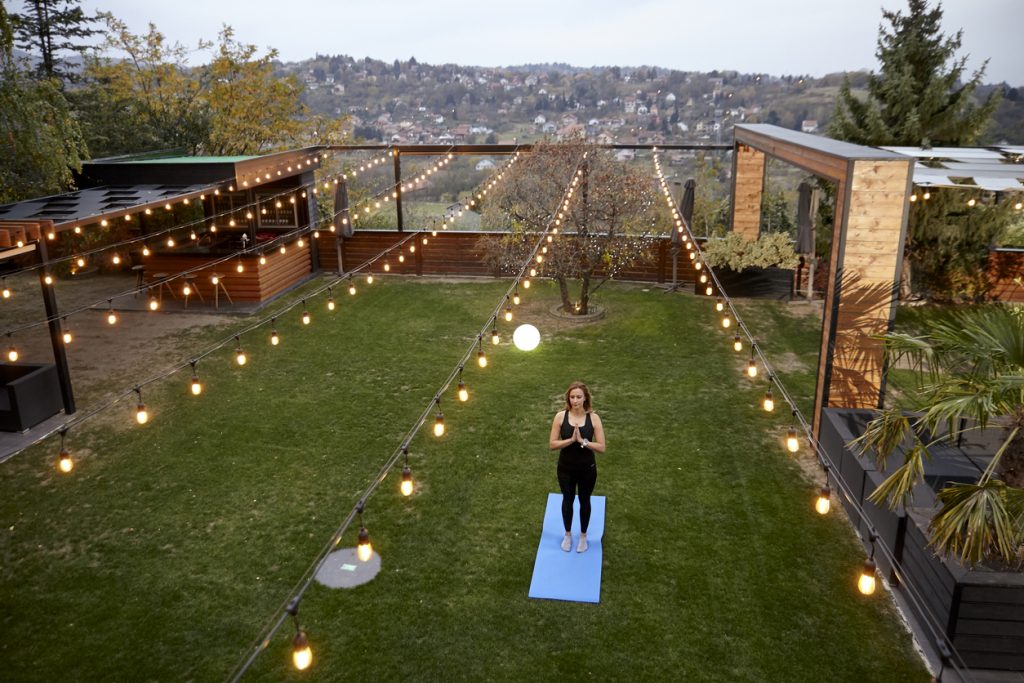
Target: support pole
398	189
60	357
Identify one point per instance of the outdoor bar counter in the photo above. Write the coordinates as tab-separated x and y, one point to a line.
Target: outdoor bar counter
256	283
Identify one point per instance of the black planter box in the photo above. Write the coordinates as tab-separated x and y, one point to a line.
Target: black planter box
29	394
980	612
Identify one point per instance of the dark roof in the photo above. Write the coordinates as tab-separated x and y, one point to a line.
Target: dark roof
96	202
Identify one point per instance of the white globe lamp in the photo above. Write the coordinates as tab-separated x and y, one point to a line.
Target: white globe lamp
526	337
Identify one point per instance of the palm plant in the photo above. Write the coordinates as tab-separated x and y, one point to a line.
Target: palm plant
971	367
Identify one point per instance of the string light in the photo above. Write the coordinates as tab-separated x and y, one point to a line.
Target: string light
64	462
154	303
330	300
12	351
769	401
111	315
274	339
495	337
141	414
302	653
462	391
508	313
751	366
792	444
481	357
197	386
515	296
351	286
726	321
866	580
719	305
240	356
438	419
737	343
406	486
823	503
364	549
305	314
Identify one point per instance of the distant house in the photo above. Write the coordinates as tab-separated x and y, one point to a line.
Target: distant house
459	133
629	104
539	120
670	98
549	128
574	130
625	155
809	126
484	165
605	138
642	110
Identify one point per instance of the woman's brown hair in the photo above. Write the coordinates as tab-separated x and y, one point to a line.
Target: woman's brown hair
586	395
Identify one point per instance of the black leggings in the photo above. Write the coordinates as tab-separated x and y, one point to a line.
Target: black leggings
570	479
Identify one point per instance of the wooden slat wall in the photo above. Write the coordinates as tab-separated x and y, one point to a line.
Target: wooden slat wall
459	253
1003	267
256	283
748	186
870	266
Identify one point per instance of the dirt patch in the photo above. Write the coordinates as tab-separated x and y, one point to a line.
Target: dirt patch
103	359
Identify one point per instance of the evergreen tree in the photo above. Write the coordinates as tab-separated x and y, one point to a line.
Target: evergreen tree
920	98
48	28
40	142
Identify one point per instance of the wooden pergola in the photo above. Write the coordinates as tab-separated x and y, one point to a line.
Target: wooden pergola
871	210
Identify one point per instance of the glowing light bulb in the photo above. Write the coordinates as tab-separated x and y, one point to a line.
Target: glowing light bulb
769	401
792	445
752	368
526	284
463	392
141	414
240	357
913	197
401	258
823	503
515	298
80	262
364	549
263	260
719	305
239	267
508	314
439	424
970	202
48	279
145	251
926	196
369	279
111	318
533	272
330	304
116	260
302	654
406	487
197	386
866	581
726	320
305	317
170	241
481	358
301	243
12	354
708	291
737	343
352	289
66	464
387	268
274	339
283	249
186	290
153	303
67	336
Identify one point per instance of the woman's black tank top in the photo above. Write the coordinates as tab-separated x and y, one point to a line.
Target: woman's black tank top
574	453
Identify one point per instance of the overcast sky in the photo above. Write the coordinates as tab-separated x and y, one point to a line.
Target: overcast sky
768	36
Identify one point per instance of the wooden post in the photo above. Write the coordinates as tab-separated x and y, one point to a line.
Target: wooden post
747	188
867	256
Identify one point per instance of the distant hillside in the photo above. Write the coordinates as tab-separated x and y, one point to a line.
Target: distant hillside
413	102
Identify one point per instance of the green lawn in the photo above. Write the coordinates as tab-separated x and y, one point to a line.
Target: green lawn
171	546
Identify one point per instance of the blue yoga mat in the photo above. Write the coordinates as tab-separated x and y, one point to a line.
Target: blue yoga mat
573	576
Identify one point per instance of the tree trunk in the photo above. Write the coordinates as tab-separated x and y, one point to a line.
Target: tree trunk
584	295
1013	459
906	292
563	290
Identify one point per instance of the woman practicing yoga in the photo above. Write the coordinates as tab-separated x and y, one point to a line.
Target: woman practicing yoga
578	432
